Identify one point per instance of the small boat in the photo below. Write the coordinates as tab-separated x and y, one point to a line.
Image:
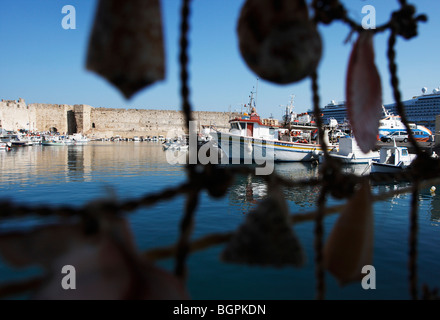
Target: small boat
19	140
178	144
78	138
350	153
56	141
392	159
36	140
5	145
19	143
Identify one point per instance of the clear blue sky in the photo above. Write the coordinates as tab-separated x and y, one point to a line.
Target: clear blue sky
43	63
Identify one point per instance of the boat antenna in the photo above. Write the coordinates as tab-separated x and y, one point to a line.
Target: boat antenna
288	109
251	99
291	107
256	92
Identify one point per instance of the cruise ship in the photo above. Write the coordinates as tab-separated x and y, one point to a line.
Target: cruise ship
421	110
334	110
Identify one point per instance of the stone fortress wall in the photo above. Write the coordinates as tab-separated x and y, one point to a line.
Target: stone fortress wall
102	122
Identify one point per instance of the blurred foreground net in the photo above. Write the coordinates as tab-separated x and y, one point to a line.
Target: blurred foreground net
271	34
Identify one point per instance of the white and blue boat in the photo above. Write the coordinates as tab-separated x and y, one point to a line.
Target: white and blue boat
391	123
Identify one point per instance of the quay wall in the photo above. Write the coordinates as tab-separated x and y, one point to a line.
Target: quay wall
102	122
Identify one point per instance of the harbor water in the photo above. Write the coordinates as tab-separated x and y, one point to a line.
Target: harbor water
77	175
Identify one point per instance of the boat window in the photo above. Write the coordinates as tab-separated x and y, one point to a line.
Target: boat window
243	125
404	152
234	125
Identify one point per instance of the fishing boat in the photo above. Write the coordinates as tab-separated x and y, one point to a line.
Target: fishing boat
254	139
392	159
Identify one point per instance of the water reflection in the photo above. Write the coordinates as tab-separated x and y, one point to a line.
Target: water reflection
248	190
432	198
81	163
107	162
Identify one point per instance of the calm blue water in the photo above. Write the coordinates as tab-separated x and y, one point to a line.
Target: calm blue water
75	175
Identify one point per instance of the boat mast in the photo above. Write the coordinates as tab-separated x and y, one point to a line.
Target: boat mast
256	94
251	99
291	107
289	111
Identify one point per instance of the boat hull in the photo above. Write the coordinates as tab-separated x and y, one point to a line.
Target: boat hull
57	143
352	159
385	168
253	149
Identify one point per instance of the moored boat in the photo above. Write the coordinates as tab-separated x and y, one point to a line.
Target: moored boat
180	143
350	153
254	139
392	159
56	141
391	123
5	145
78	138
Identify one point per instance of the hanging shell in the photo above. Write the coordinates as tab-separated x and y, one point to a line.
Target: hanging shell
126	45
350	243
364	93
107	265
266	237
278	41
108	271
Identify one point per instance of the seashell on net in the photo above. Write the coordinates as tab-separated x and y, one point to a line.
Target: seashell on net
266	237
106	264
126	44
364	93
278	41
349	246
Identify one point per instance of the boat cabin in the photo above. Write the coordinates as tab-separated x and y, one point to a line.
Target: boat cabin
253	126
396	156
